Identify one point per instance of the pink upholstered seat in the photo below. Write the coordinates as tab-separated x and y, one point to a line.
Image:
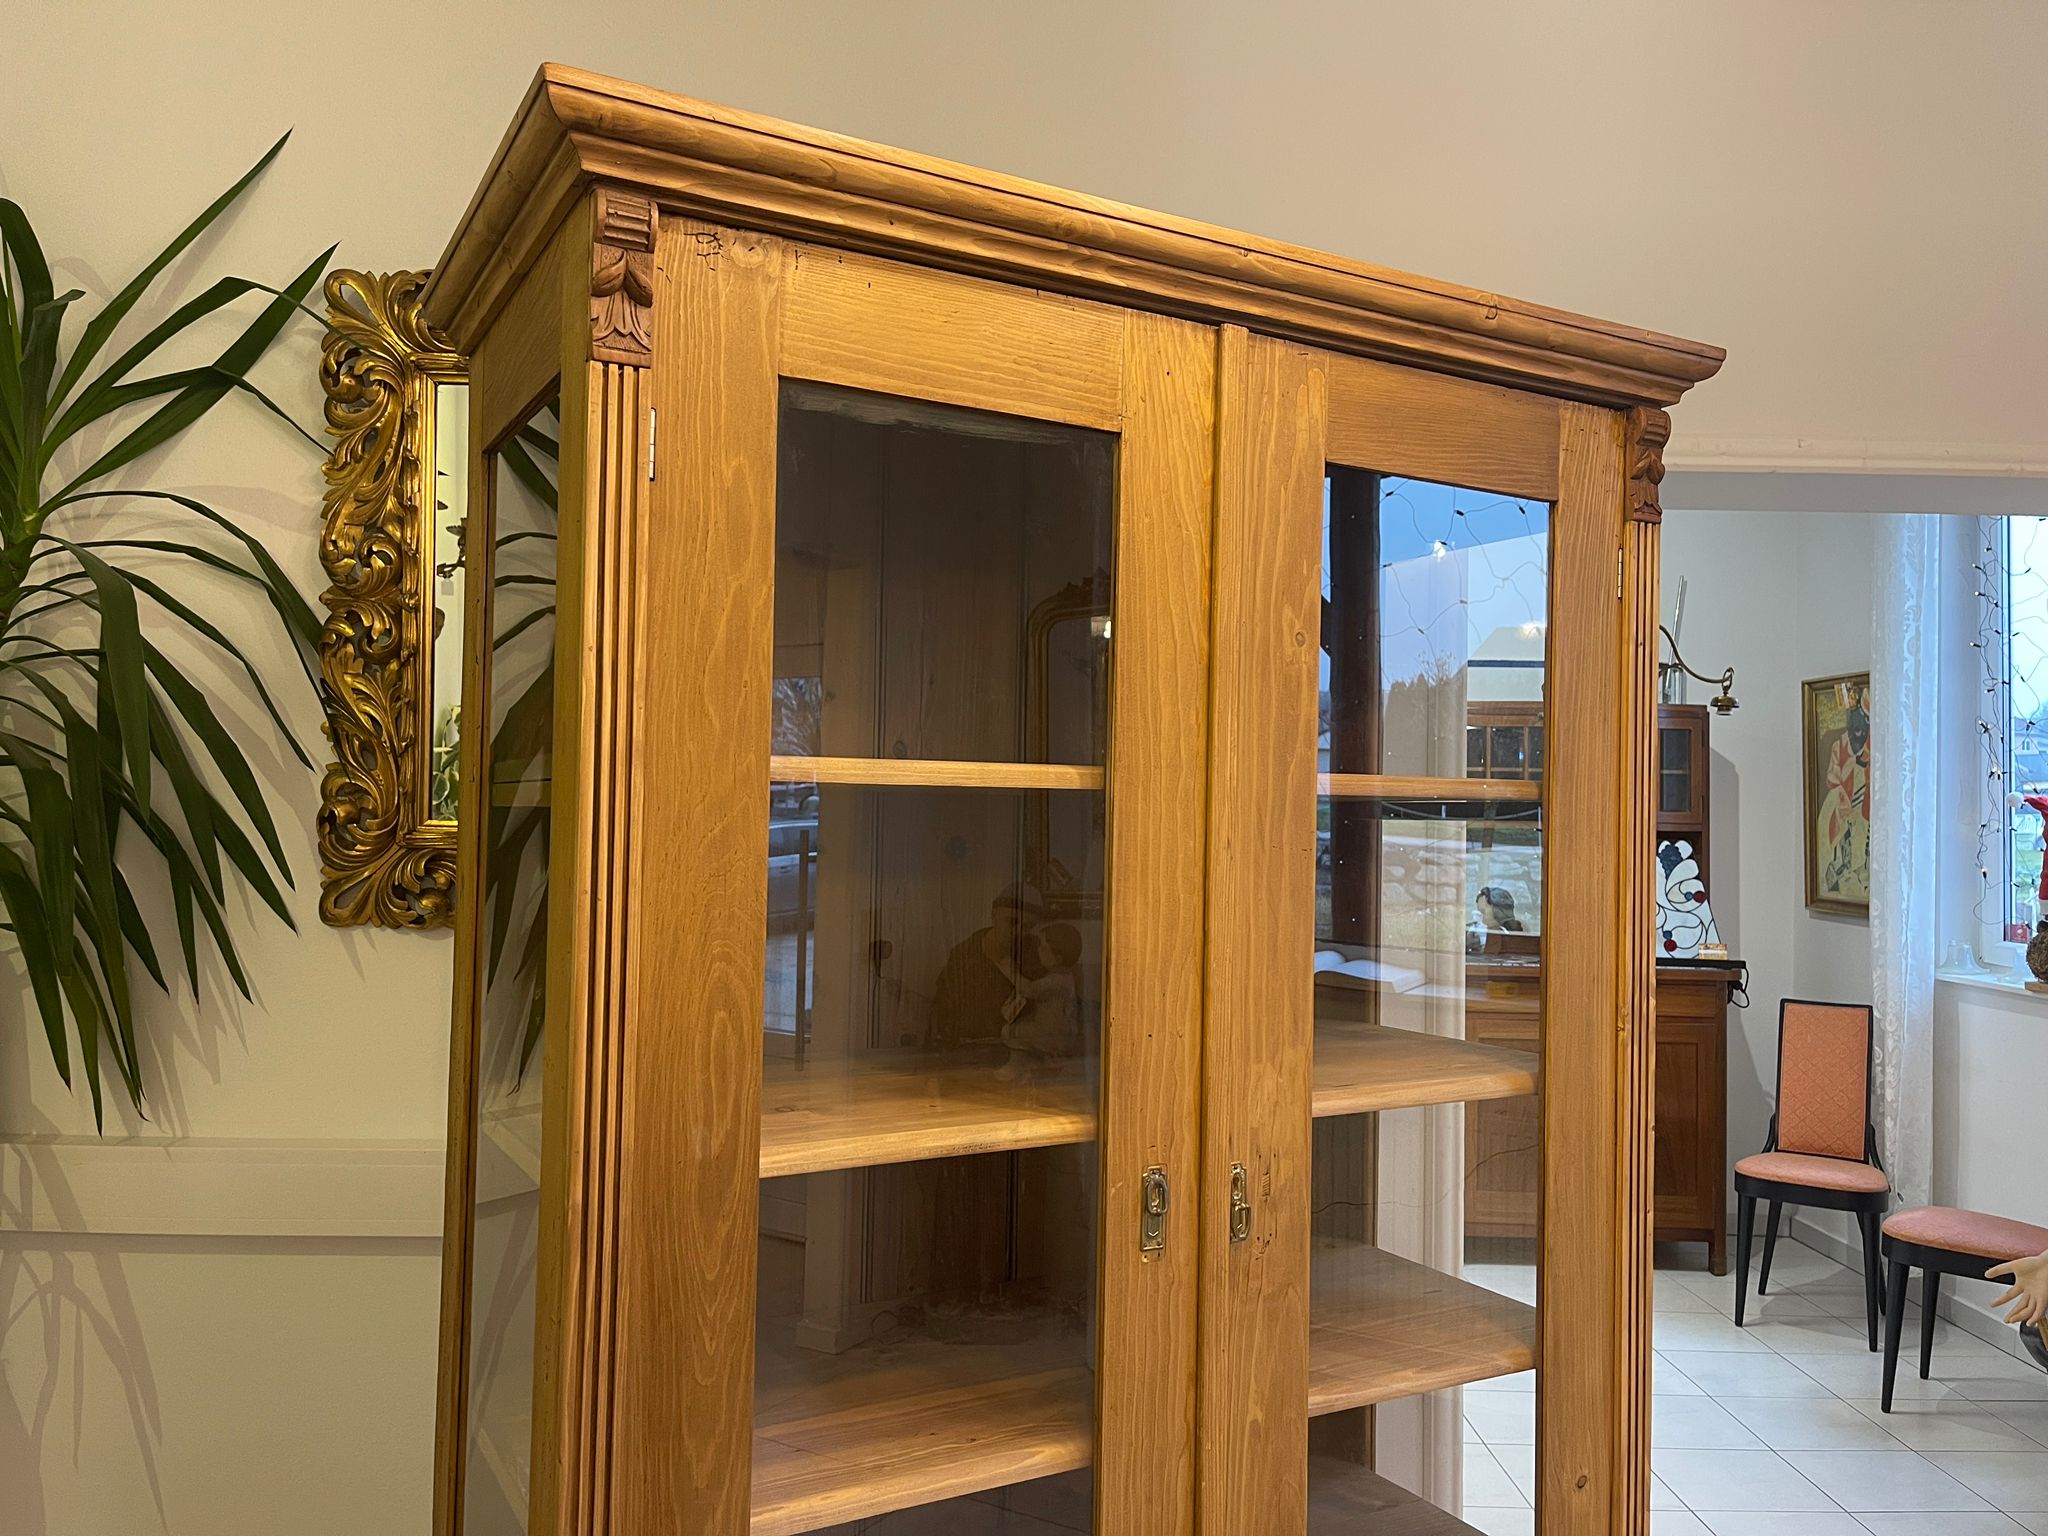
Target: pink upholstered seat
1971	1232
1823	1079
1815	1172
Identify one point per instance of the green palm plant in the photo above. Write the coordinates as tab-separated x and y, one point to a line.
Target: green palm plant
96	720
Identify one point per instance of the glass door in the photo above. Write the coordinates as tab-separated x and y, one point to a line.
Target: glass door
1428	969
972	1293
1387	727
507	1070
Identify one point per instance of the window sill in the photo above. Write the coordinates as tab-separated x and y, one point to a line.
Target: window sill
2012	983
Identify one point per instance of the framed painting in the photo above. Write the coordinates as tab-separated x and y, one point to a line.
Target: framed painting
1835	766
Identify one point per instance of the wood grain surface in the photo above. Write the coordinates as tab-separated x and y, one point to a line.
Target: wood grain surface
1382	1327
1253	1383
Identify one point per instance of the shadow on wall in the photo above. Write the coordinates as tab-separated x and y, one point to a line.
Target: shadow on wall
1726	787
60	1300
1751	1060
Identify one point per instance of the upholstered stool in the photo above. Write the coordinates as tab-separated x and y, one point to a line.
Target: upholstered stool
1942	1240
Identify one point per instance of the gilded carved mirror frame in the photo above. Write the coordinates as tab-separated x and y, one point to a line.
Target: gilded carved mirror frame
384	859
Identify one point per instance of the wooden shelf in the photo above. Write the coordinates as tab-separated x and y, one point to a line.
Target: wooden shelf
929	1421
1344	1496
904	1107
1382	1327
1388	786
936	773
1360	1068
916	1421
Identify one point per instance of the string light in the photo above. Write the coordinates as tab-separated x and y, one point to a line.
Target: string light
1990	742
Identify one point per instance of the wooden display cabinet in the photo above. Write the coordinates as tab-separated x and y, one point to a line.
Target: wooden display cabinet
970	885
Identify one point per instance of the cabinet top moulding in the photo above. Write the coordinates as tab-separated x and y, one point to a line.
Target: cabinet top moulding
577	129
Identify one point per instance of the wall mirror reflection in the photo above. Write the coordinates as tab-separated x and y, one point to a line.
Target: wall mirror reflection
391	654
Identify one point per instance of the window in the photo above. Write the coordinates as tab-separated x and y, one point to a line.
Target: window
2017	686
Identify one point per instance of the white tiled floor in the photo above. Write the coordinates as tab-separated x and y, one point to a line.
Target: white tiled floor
1775	1430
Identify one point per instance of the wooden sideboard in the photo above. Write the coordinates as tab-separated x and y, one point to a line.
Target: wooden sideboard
1691	1149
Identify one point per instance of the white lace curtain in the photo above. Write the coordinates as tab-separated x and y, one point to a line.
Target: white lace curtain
1904	873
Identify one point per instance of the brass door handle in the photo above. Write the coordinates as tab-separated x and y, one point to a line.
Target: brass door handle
1154	1197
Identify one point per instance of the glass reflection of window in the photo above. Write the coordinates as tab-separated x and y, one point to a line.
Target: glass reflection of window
1464	579
1438	873
1432	665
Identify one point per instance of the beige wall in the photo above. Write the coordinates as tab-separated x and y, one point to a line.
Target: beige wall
1779	598
225	1325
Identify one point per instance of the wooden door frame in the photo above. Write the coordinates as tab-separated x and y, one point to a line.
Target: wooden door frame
528	354
1286	412
679	335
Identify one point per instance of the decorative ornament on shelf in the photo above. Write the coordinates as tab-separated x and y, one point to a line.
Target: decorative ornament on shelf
1685	920
2037	946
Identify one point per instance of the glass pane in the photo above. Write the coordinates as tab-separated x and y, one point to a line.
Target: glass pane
1436	603
931	1044
1428	984
942	582
1674	744
1675	792
510	1058
1508	754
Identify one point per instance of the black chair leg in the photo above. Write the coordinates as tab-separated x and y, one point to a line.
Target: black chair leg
1745	1225
1894	1325
1875	1293
1930	1299
1763	1276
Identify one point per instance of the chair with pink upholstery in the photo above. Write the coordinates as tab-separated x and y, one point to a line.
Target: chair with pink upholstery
1822	1148
1941	1241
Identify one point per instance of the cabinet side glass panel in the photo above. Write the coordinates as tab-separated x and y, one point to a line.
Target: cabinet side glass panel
932	1026
1428	977
513	990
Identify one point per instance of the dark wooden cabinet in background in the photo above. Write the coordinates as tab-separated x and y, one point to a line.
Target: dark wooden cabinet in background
1691	1142
1691	1148
1692	1109
1682	779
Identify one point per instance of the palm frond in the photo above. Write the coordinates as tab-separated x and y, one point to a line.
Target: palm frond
97	714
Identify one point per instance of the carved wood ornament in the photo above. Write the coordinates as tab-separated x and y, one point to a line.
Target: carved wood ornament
1649	429
622	279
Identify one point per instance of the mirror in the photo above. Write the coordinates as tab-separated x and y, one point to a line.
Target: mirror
446	554
391	653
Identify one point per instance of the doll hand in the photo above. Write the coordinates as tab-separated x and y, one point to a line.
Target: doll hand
2029	1290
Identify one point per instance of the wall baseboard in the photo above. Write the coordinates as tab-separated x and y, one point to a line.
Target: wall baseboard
221	1187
